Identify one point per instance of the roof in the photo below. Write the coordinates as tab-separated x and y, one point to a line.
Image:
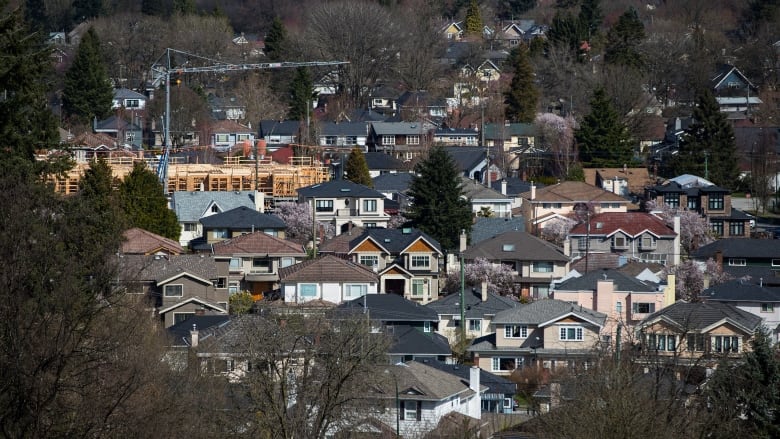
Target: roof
400	128
740	248
339	244
343	129
142	242
476	191
257	243
466	158
338	189
160	268
598	261
229	126
125	93
632	224
327	268
94	140
243	218
484	228
191	206
413	99
475	307
394	241
393	182
410	340
637	178
703	316
380	161
279	127
741	291
516	245
113	123
391	308
573	192
420	381
180	332
514	185
494	383
506	131
544	311
621	282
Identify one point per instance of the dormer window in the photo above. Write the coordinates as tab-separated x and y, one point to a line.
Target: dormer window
648	242
619	242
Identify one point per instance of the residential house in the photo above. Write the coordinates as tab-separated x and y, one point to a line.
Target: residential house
699	332
624	181
380	163
421	105
546	334
384	100
236	222
128	100
534	262
559	200
278	133
705	198
486	228
479	307
508	137
486	201
512	187
90	146
500	392
407	260
141	242
453	30
513	33
740	258
750	295
456	137
343	202
255	261
190	207
226	108
395	187
733	90
343	136
624	299
124	132
636	236
327	278
402	140
487	71
472	162
229	134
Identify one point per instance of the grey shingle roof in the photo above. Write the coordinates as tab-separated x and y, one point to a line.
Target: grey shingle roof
485	228
180	332
396	182
475	307
409	340
621	281
391	308
741	291
339	189
424	382
494	383
499	130
466	158
698	316
282	128
381	161
545	310
477	191
157	268
328	268
514	186
344	129
400	128
526	247
740	248
190	206
243	218
394	240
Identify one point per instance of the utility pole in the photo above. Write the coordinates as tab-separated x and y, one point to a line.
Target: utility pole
706	168
462	300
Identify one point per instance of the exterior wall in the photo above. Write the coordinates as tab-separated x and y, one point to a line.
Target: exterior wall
191	288
500	209
527	270
660	328
504	342
448	327
771	319
431	413
190	308
332	292
552	340
346	210
185	237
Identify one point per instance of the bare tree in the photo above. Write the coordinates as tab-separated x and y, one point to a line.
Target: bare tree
254	90
419	47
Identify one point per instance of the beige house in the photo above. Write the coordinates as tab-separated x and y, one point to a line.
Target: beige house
480	307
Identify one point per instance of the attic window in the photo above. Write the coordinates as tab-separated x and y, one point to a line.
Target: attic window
214	209
508	247
406	230
599	225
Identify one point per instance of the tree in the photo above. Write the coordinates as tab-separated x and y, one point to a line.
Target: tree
690	277
511	9
557	229
241	303
88	92
439	207
499	277
35	15
522	98
708	147
602	138
565	31
144	202
275	40
473	19
86	9
301	95
556	135
298	218
356	168
694	229
189	113
420	43
97	190
623	41
590	19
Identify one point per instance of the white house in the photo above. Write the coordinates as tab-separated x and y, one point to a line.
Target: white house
328	278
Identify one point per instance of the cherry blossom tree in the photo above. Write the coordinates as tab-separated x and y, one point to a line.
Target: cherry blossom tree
499	277
691	275
557	229
298	218
694	229
396	221
556	133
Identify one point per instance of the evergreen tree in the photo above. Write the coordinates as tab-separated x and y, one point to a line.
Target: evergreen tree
88	92
473	19
590	18
522	98
86	9
439	206
708	148
275	40
301	94
564	31
158	8
511	9
35	15
98	189
356	168
623	41
143	201
602	137
184	7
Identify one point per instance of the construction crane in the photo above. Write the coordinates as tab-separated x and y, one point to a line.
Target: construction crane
164	70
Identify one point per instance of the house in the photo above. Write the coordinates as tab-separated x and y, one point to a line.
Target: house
128	99
620	181
750	295
471	161
380	163
278	133
255	261
513	33
624	299
546	334
740	257
733	91
384	100
416	105
705	198
407	260
226	108
636	236
500	392
402	140
346	135
236	222
486	71
124	132
702	332
343	202
486	201
508	137
512	187
534	262
90	146
395	187
328	278
479	306
456	137
190	207
453	30
229	134
141	242
543	204
411	325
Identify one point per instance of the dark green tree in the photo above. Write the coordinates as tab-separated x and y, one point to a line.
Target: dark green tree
356	168
522	98
88	92
275	40
98	190
86	9
473	19
708	148
35	15
301	94
144	203
511	9
623	41
439	207
591	16
184	7
602	137
159	8
565	31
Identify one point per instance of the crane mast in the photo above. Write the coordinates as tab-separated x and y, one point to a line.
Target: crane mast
165	70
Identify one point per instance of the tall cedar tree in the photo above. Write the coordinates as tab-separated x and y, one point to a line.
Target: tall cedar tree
26	124
591	16
473	19
98	190
511	9
522	98
708	148
623	41
144	203
440	207
86	9
565	31
356	168
301	94
602	138
88	92
275	40
35	15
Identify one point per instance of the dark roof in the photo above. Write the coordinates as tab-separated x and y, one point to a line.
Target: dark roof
621	281
327	268
159	268
339	189
391	308
701	315
343	129
475	307
514	186
257	243
598	261
380	161
515	245
466	158
394	240
494	383
546	310
741	291
506	131
485	228
279	127
740	248
410	340
180	332
748	272
419	99
395	182
243	218
632	224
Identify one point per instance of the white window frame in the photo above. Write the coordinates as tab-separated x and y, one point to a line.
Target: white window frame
565	333
353	291
650	307
474	325
370	205
521	330
719	343
132	103
365	258
412	139
287	261
543	267
619	241
222	138
323	205
388	140
418	287
776	262
427	327
420	261
737	262
767	307
303	290
649	242
180	287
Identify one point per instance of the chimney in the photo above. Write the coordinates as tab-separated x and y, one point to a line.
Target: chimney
533	191
566	247
194	336
259	201
463	241
483	289
503	186
670	292
719	258
474	379
555	395
676	245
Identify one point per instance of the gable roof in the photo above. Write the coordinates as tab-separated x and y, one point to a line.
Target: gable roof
514	185
637	178
94	140
339	244
243	217
382	161
632	224
494	131
114	123
494	383
400	128
395	241
357	129
704	316
621	282
180	332
268	128
257	243
741	291
202	302
140	241
327	268
573	192
516	245
484	228
229	126
419	381
475	307
338	189
748	248
409	340
391	308
395	182
160	268
476	191
546	311
466	158
191	206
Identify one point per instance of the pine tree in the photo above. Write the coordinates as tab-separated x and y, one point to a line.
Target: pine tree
275	40
623	41
142	199
473	19
301	94
35	15
439	207
511	9
602	138
708	148
590	18
86	9
565	31
356	168
184	7
522	98
88	92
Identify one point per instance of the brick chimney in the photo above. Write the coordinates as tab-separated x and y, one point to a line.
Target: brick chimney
194	336
533	191
484	290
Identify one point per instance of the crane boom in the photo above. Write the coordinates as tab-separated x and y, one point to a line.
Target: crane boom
165	70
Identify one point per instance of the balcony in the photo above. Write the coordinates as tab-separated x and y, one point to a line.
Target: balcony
346	213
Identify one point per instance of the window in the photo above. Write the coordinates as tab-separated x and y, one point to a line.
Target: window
286	262
767	307
323	205
369	260
776	262
308	290
369	225
715	202
737	262
725	344
736	228
235	264
190	227
661	342
222	138
619	307
174	290
499	364
369	205
261	264
582	243
330	140
717	227
643	308
672	199
233	287
129	136
388	140
551	205
619	241
541	291
418	287
420	261
412	140
179	317
220	233
214	209
693	203
242	137
571	333
696	342
350	140
475	325
543	267
649	242
411	411
353	291
132	103
508	247
427	326
220	282
516	331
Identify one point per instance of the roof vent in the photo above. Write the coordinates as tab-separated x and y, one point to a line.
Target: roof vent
387	239
406	230
599	225
508	247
